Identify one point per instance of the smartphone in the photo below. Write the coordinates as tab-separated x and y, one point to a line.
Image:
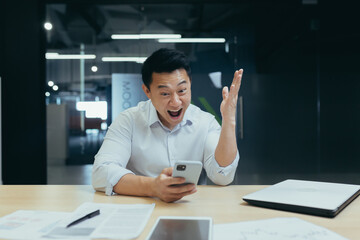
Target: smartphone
190	170
180	228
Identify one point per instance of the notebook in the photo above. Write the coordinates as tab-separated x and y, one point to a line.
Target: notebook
310	197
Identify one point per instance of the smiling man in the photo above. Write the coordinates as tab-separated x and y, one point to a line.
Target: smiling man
144	142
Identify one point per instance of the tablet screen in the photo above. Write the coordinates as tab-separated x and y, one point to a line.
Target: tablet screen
180	229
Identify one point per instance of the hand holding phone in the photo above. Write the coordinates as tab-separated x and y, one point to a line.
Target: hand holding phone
169	188
190	170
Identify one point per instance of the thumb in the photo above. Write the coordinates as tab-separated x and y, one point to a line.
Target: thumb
225	92
167	171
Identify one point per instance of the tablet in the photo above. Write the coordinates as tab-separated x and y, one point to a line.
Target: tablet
180	228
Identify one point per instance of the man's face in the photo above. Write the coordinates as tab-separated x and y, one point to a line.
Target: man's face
170	94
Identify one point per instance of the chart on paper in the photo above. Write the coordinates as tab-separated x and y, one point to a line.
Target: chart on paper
274	229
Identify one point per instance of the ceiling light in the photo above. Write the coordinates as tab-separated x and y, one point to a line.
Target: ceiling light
94	68
50	83
55	88
69	56
48	26
145	36
193	40
124	59
47	94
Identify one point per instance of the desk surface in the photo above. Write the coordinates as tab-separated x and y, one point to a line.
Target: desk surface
223	204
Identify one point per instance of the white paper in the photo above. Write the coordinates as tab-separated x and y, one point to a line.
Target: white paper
274	229
27	224
121	221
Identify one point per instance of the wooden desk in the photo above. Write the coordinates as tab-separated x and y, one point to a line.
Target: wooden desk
223	204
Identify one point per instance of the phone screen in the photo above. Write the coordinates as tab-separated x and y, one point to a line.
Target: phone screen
180	229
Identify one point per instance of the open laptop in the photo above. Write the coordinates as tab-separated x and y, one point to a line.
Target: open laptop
310	197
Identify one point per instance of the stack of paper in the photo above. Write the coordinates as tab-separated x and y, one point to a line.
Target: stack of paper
121	221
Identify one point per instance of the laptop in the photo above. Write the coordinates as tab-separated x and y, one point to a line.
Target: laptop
310	197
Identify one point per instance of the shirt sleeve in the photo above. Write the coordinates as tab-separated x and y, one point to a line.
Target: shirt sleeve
217	174
113	156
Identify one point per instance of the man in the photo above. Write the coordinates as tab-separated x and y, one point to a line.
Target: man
145	141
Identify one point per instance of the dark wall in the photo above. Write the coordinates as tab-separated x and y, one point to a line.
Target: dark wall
301	110
23	100
340	89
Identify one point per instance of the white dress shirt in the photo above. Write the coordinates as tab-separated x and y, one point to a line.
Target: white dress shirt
138	143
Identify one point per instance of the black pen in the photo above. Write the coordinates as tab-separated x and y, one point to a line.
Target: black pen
87	216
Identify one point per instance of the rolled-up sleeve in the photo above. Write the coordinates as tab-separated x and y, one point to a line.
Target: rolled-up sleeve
217	174
113	156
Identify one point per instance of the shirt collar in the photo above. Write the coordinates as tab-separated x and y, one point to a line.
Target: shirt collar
154	118
189	117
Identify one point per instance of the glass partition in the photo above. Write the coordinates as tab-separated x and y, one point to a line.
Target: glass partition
95	53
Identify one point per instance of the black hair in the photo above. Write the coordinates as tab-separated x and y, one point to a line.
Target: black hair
164	60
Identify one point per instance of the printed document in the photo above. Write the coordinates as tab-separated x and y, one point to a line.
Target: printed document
120	221
27	224
274	229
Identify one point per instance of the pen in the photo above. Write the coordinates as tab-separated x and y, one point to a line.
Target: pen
87	216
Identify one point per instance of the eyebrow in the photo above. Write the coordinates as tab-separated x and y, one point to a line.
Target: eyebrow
164	86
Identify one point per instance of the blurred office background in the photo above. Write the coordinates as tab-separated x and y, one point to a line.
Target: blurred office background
66	72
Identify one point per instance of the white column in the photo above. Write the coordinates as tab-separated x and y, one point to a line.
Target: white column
82	87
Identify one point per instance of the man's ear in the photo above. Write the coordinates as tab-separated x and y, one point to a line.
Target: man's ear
146	91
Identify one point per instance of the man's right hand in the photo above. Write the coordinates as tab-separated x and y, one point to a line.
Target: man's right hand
167	188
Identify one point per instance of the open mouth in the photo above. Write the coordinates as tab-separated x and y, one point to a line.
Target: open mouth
175	114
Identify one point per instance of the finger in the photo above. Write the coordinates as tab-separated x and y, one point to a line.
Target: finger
233	91
225	92
238	82
175	180
167	171
181	195
182	189
237	77
235	86
172	197
194	190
